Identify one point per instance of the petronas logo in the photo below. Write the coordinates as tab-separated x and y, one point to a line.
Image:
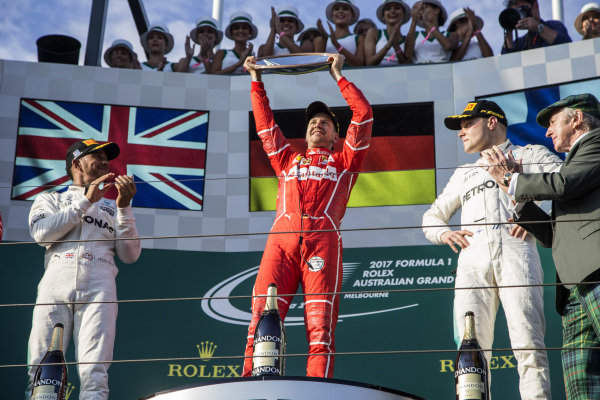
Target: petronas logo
206	350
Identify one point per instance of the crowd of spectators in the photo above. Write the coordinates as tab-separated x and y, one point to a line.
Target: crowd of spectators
425	41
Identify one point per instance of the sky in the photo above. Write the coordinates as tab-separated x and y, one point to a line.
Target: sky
23	21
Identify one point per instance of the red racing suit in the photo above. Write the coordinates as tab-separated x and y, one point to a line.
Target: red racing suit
312	196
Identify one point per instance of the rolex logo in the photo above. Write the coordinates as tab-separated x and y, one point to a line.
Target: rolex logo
69	390
206	350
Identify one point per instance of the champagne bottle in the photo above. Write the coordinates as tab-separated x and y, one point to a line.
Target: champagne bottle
471	372
269	339
50	381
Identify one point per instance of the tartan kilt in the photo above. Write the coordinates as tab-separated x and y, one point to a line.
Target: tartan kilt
581	328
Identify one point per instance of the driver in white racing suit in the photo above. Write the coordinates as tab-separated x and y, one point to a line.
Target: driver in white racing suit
82	272
494	253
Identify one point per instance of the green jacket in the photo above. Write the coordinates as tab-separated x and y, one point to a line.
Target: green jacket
575	193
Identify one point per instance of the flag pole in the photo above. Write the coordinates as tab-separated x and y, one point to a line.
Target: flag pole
217	13
557	10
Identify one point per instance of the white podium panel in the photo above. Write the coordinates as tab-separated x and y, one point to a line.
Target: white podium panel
282	388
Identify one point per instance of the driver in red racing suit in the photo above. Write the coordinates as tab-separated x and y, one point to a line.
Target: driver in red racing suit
311	200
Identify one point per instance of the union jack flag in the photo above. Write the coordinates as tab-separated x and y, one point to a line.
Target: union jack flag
69	255
164	149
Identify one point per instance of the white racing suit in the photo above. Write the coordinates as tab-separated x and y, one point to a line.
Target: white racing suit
80	272
495	258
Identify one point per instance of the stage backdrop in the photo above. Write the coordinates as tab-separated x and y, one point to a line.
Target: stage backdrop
206	118
192	340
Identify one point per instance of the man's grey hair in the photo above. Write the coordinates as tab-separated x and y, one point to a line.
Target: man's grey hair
588	123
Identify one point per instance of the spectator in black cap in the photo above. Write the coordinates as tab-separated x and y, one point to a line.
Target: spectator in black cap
540	33
573	231
494	254
314	187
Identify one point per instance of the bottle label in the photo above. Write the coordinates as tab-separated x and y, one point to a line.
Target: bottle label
470	387
268	338
265	354
44	392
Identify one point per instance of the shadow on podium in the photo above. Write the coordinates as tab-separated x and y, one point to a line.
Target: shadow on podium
281	388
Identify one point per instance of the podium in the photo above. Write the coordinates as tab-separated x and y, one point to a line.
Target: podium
281	388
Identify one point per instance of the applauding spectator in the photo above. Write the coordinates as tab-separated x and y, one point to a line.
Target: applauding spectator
431	45
120	54
285	23
471	43
362	27
587	22
384	46
240	30
342	13
308	35
207	35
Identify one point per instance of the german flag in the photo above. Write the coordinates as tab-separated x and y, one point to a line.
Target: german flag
400	165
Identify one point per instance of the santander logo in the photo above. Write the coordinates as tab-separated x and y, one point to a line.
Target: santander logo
216	303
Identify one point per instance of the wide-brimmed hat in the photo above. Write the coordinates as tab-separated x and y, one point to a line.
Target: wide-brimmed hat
241	17
301	36
585	102
83	147
291	12
443	12
405	6
317	107
157	28
122	43
355	10
474	109
211	23
584	10
458	14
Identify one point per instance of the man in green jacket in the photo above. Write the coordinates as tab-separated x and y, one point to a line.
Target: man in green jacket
573	231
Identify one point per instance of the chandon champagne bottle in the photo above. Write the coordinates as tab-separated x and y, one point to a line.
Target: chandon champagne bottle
471	372
269	339
50	381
